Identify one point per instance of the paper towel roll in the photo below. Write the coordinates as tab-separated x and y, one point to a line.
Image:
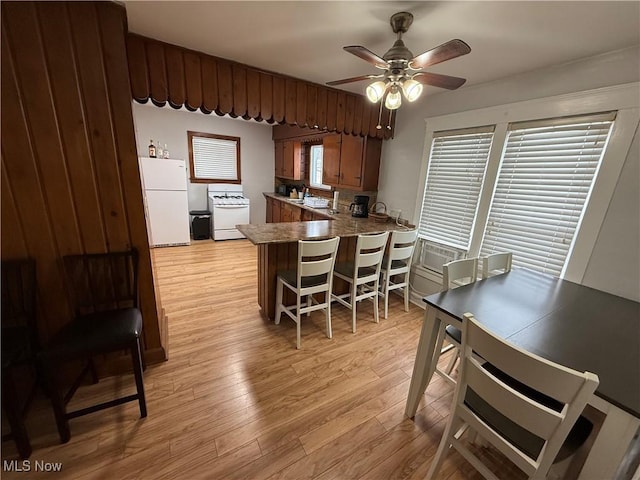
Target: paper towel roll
336	194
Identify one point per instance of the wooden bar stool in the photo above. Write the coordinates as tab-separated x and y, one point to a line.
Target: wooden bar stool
397	262
363	274
313	275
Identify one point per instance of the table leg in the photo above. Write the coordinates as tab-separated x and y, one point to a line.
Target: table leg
612	442
424	365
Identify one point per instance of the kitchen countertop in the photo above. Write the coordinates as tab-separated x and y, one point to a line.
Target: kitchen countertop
340	225
321	211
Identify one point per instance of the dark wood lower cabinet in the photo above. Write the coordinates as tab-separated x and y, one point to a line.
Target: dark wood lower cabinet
283	211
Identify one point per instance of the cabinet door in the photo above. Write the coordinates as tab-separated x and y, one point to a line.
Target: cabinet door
288	160
307	215
351	161
331	160
279	159
275	211
285	213
269	210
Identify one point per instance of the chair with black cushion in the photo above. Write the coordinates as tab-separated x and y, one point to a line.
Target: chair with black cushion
19	344
525	406
313	276
103	289
396	266
454	274
362	274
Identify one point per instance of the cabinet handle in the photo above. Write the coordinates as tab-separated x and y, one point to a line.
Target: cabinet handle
358	178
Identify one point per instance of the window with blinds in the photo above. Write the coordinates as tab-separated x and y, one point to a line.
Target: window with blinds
545	177
457	164
214	158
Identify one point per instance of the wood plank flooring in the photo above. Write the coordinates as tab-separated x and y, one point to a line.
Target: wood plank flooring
236	400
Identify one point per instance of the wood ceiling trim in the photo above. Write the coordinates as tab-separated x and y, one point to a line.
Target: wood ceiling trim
163	73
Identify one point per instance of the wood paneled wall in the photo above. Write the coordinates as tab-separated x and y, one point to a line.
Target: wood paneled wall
70	179
167	73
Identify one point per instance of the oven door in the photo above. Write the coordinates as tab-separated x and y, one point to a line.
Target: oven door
225	219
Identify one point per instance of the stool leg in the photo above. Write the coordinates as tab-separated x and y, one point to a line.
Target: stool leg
14	415
57	403
136	359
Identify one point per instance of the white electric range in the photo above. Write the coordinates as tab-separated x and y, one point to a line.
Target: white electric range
229	207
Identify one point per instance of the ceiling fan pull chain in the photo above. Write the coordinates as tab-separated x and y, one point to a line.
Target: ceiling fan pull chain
390	117
379	126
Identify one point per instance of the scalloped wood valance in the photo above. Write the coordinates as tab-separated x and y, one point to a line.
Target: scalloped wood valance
165	73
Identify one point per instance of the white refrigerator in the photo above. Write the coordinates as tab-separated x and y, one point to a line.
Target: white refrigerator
165	201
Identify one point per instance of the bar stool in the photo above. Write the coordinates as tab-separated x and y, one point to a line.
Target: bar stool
398	262
316	260
361	273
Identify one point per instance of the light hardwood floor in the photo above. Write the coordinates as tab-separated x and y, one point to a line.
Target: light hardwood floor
236	400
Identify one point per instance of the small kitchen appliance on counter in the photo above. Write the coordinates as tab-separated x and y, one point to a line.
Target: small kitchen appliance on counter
229	208
360	206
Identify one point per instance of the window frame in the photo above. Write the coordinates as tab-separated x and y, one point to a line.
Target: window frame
621	98
321	186
192	174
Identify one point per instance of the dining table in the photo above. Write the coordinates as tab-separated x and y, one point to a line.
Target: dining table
565	322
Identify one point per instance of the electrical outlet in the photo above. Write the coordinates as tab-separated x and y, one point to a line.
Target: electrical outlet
395	213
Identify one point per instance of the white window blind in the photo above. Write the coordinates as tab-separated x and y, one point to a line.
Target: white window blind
215	158
545	178
457	164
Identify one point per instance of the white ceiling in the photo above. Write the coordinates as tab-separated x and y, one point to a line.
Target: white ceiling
304	39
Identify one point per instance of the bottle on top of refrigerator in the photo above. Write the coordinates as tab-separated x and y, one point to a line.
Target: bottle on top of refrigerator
159	151
165	152
152	149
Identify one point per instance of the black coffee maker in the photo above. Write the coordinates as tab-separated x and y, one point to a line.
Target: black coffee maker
360	206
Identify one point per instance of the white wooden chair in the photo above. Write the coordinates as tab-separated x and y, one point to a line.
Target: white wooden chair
363	274
527	407
454	274
316	260
397	262
496	261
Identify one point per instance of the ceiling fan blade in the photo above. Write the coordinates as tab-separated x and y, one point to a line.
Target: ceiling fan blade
437	80
354	79
446	51
368	55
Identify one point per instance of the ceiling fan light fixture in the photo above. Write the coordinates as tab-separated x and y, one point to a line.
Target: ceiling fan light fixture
375	91
412	89
394	99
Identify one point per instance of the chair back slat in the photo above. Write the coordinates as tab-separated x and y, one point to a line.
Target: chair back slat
459	270
102	282
537	419
555	381
496	261
316	257
401	253
400	237
558	383
370	250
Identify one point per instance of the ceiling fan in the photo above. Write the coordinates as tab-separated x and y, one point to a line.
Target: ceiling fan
401	67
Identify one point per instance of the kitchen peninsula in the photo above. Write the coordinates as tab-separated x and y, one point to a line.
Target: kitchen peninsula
278	247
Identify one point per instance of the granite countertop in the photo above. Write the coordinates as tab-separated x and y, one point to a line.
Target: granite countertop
341	225
322	211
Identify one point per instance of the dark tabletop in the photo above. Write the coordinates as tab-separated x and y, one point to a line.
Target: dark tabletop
567	323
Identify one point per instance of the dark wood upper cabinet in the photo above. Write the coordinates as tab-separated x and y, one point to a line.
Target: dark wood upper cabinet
288	160
351	162
168	73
